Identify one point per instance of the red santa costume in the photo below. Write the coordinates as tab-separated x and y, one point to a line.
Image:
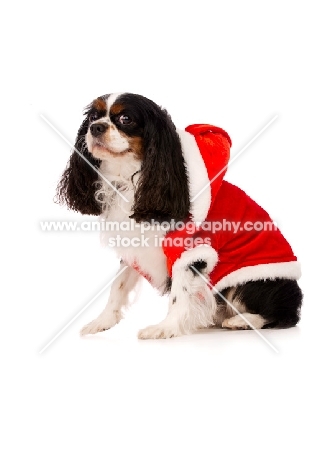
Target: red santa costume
233	256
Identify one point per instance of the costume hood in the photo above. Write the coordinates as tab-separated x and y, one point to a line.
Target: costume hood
206	151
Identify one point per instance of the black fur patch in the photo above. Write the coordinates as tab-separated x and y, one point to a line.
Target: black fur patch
162	192
278	301
200	265
76	188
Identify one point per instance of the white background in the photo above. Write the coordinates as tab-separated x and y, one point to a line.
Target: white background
217	398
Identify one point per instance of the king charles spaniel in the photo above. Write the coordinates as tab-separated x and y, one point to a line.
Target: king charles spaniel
132	167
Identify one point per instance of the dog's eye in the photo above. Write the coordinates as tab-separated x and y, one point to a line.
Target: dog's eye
124	119
93	116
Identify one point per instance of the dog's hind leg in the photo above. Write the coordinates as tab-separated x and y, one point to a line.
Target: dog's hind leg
191	306
263	303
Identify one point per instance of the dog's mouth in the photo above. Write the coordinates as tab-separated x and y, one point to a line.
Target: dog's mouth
100	148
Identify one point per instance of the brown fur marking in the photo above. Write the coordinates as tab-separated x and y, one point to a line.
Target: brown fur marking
116	109
99	105
136	144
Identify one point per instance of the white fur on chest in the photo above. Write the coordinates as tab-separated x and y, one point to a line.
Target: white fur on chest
132	243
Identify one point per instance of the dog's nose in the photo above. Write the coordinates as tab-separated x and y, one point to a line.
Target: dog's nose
98	128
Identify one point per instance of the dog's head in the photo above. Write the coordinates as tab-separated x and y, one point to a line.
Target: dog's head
123	126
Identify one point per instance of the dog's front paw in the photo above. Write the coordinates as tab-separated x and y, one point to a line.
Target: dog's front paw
107	319
159	331
98	325
91	328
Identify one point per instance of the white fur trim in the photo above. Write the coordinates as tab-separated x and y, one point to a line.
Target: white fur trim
201	252
288	270
198	176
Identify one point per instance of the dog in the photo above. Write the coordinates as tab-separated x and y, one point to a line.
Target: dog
131	166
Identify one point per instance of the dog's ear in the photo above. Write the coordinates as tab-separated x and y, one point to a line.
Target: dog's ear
76	187
162	192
